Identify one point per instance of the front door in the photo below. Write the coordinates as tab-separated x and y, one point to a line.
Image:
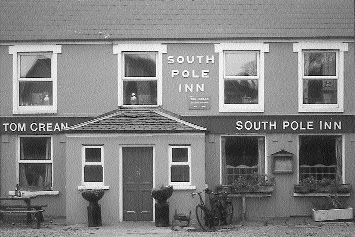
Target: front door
137	183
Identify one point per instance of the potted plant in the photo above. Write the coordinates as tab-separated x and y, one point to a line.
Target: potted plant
94	208
331	208
255	183
161	195
325	185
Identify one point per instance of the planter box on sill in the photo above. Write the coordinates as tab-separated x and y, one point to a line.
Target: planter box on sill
332	214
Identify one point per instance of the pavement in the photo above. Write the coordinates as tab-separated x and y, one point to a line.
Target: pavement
272	227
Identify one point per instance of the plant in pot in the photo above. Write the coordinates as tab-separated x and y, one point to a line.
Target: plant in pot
255	183
94	208
161	195
325	185
331	208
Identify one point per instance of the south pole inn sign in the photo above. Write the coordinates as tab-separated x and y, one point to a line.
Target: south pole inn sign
276	124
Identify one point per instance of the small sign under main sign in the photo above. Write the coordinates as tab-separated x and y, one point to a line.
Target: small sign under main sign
199	102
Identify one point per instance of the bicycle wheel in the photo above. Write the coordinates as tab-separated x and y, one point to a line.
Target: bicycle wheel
203	218
229	212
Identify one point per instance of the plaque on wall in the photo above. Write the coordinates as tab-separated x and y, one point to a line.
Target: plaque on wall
199	102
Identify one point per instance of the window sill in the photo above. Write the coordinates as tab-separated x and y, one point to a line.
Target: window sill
319	194
93	187
184	187
36	193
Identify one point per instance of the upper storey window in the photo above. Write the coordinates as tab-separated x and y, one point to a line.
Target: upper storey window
140	73
321	76
241	76
35	78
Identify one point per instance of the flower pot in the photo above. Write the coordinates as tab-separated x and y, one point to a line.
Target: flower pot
332	214
94	208
161	214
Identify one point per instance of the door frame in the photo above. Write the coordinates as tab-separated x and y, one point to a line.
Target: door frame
120	171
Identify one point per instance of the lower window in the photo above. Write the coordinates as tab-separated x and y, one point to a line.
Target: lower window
180	165
320	157
35	163
242	156
93	166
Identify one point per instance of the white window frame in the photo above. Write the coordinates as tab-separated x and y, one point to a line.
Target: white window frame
342	153
171	163
17	50
19	161
137	48
84	163
261	48
337	47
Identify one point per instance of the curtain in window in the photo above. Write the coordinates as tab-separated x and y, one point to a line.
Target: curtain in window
261	153
338	153
224	162
48	174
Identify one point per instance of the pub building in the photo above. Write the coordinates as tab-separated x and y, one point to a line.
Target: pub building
128	96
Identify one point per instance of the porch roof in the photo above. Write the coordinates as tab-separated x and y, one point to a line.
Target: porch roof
136	120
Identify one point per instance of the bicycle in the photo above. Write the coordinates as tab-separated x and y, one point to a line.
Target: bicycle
221	212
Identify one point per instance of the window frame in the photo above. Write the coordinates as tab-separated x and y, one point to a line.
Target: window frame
19	161
171	163
84	163
17	51
261	49
120	50
262	161
329	135
339	48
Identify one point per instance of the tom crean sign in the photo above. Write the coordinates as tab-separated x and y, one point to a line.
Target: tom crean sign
276	124
37	125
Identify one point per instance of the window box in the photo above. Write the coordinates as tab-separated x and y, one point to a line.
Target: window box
256	184
340	188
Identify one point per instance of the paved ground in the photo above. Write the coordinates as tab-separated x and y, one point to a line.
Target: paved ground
284	227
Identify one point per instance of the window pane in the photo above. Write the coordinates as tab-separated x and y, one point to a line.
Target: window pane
180	173
140	65
319	63
241	91
92	154
242	155
93	173
180	155
318	157
140	92
35	66
35	148
241	63
35	176
36	93
320	91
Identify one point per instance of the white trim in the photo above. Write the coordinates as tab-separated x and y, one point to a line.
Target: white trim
171	163
92	185
339	48
83	135
15	50
159	48
180	121
241	135
261	48
86	187
36	193
315	134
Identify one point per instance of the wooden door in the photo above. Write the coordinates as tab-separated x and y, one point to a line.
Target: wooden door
137	183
